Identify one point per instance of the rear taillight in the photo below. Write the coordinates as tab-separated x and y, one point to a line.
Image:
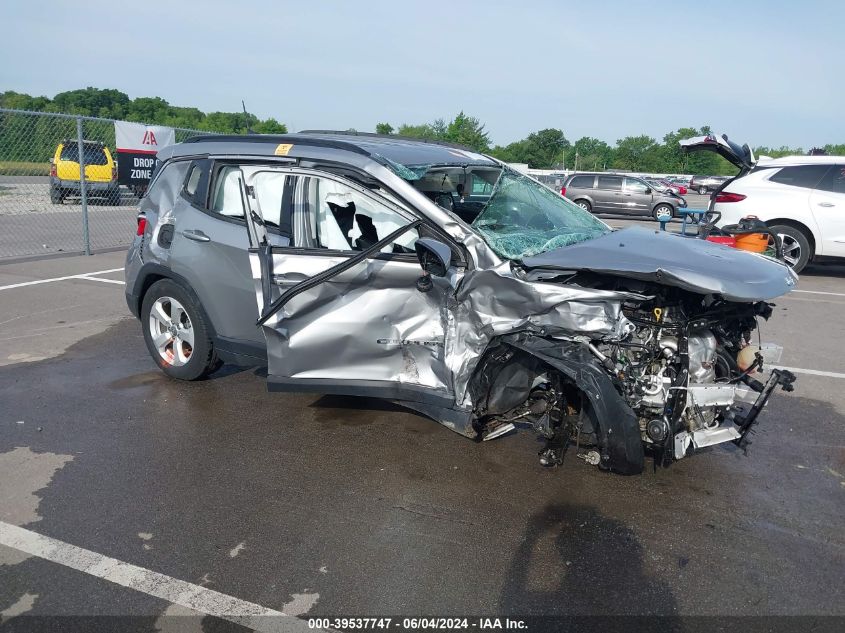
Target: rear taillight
142	224
563	191
727	196
53	171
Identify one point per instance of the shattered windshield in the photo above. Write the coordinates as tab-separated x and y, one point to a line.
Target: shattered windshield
524	218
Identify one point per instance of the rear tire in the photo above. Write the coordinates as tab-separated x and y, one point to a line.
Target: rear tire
584	204
796	246
176	333
56	195
702	190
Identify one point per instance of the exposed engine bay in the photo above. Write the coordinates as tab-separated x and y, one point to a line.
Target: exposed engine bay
687	374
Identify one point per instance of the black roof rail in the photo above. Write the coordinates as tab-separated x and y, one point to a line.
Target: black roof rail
277	139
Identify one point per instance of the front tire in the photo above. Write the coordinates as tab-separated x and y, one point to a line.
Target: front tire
176	333
796	246
663	213
702	190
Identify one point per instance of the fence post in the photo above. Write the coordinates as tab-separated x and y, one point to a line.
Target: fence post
83	188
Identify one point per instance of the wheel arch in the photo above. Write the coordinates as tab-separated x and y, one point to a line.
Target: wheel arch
618	430
150	274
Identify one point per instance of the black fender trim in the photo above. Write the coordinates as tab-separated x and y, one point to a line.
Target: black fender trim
618	430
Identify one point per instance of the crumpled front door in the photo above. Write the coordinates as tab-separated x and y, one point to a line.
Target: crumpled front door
349	322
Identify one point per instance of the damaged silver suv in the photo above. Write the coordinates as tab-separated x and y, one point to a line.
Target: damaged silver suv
441	279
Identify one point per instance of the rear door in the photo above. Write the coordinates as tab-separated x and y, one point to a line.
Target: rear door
827	204
340	307
210	250
608	194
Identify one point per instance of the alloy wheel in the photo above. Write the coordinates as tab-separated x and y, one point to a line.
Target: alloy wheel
663	214
171	331
791	249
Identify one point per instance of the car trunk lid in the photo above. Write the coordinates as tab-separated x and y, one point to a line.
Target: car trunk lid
740	155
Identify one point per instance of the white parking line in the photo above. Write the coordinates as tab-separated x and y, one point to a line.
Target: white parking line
146	581
811	372
108	281
819	292
47	281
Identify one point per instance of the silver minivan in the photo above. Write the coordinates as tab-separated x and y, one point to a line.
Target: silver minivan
621	195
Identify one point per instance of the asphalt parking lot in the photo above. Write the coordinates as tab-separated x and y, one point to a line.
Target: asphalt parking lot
224	497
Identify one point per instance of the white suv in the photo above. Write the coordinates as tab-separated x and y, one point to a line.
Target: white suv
801	197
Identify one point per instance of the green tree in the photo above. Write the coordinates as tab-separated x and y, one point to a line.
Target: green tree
540	150
270	126
384	128
636	153
593	154
422	131
465	130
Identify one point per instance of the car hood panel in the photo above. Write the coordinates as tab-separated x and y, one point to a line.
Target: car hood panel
666	258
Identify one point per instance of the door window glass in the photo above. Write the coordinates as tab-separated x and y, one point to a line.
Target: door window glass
806	176
611	183
273	193
635	186
834	180
226	198
338	217
582	182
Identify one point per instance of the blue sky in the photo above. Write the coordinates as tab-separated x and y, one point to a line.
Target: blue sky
767	73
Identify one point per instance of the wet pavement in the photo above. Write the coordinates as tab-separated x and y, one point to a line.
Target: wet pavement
322	505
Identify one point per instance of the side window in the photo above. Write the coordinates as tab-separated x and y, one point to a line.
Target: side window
806	176
834	180
612	183
195	188
480	187
166	183
582	182
338	217
226	192
635	186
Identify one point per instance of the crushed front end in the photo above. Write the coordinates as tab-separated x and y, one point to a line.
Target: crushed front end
680	372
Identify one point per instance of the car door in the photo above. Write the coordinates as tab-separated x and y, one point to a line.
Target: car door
636	197
210	251
342	308
827	204
608	194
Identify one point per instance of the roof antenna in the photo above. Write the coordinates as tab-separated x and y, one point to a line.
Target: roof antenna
249	129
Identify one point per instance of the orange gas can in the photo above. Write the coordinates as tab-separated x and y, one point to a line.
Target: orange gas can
754	242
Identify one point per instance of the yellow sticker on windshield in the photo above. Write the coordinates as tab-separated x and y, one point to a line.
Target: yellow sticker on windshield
282	149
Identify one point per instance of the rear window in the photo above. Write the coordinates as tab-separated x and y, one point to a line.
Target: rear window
834	181
93	154
614	183
807	176
584	182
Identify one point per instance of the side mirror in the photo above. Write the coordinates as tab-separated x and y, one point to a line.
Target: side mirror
435	257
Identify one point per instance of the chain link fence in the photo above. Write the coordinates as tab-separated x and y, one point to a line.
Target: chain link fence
58	185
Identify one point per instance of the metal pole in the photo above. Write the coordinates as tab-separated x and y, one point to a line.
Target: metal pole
83	188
